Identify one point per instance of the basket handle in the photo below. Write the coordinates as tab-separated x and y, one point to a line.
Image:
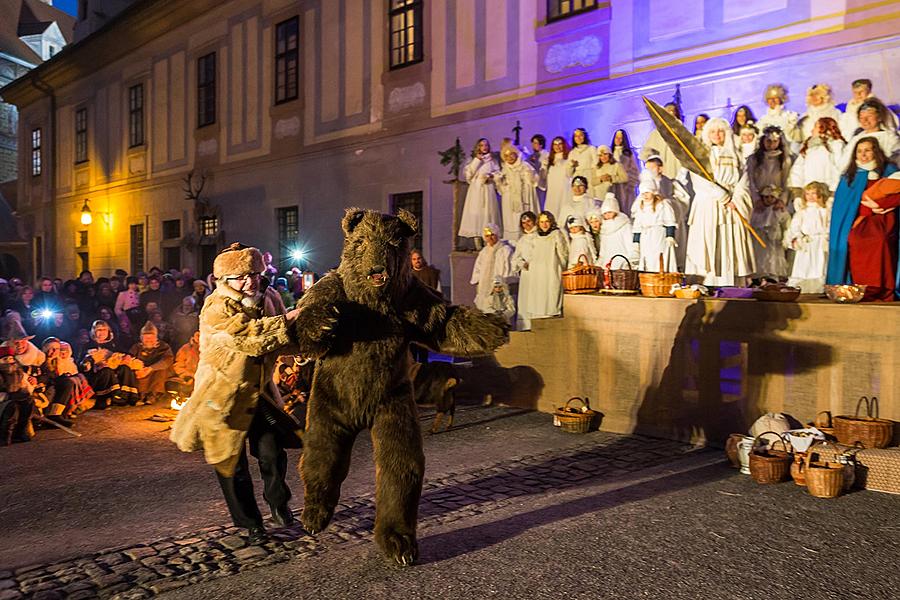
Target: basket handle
662	264
580	399
873	407
776	434
627	262
868	407
826	412
584	256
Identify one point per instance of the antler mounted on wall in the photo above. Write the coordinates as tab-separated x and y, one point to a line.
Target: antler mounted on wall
192	186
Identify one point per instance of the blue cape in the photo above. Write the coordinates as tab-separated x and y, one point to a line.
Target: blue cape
843	213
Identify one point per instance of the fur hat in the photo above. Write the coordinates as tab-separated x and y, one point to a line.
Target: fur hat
575	221
236	260
149	328
610	203
13	331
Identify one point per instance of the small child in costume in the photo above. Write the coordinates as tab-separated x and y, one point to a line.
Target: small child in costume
771	220
615	234
581	243
501	301
654	229
83	394
808	237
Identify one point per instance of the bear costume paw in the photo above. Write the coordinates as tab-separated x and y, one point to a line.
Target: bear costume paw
398	547
315	329
315	518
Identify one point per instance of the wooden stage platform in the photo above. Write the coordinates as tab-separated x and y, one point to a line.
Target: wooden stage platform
699	370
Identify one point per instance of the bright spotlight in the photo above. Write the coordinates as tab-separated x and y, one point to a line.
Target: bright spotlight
46	313
298	255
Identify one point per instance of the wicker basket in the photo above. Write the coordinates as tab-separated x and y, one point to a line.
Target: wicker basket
823	479
877	469
869	430
620	279
787	294
583	278
659	285
575	420
686	293
769	465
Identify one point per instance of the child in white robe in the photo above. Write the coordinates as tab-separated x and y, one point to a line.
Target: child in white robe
654	229
615	235
771	220
501	302
581	243
808	237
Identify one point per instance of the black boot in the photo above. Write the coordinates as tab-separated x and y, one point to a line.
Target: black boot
282	515
257	535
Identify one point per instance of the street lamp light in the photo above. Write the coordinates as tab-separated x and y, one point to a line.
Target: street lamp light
86	218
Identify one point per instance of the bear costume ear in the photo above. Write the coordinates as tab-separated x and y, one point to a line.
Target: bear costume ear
351	219
408	219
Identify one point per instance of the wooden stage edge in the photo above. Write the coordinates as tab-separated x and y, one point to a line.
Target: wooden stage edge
698	370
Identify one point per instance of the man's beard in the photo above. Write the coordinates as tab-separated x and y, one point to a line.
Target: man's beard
250	301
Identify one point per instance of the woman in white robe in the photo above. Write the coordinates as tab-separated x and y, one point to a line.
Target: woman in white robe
529	289
582	156
559	182
819	158
719	246
778	116
808	237
819	104
549	255
579	203
625	156
608	174
494	260
518	191
481	205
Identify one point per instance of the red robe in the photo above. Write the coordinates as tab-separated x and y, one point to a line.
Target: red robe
873	242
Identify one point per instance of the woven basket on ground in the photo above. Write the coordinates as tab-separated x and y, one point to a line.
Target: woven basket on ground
659	285
620	279
769	465
583	278
869	430
823	479
575	419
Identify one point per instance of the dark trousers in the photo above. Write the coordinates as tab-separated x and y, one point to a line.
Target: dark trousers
267	447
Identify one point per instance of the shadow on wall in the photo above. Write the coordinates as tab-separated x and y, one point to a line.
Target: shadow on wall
518	387
715	382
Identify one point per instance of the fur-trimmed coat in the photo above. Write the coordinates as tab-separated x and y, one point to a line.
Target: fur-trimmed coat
237	353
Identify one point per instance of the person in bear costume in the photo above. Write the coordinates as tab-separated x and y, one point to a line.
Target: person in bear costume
358	322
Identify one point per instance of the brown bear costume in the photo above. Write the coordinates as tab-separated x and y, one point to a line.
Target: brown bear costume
359	321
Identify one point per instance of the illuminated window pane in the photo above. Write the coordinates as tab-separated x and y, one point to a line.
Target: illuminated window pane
405	18
558	9
287	36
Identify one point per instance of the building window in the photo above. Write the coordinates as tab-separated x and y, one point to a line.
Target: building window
136	115
209	226
405	17
411	201
171	229
81	238
36	151
560	9
81	141
206	90
171	258
287	34
137	248
288	228
51	50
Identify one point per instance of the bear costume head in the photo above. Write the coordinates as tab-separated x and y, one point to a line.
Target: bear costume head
375	260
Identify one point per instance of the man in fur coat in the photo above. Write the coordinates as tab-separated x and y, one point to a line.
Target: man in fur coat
242	326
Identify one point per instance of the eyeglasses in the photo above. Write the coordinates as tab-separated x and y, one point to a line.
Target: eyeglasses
243	278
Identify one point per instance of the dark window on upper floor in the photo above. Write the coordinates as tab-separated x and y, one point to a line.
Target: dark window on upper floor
81	135
171	230
136	115
560	9
36	157
206	90
405	18
287	59
411	201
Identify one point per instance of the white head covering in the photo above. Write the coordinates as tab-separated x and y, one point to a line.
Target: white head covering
493	227
574	220
716	124
610	203
603	149
648	182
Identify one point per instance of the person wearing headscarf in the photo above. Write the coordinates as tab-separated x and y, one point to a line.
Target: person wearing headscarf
819	104
616	236
653	229
107	369
517	184
501	302
494	259
156	360
719	247
581	243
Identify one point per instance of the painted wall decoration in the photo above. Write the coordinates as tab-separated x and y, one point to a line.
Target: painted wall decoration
585	52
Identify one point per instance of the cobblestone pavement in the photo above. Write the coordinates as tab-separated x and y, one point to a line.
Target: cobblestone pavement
139	571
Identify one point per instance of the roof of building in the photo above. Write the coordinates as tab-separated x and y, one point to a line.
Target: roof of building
31	17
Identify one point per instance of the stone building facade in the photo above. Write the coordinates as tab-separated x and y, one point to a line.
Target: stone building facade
290	111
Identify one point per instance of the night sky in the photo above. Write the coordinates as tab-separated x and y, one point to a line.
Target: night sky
70	6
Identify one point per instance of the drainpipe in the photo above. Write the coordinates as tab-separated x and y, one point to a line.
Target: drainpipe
49	246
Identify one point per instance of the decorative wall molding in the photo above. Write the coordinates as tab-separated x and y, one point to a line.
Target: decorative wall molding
403	98
579	53
287	128
208	147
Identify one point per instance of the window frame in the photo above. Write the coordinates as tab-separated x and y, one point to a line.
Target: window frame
283	56
559	16
206	89
81	136
286	235
37	158
418	8
136	115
